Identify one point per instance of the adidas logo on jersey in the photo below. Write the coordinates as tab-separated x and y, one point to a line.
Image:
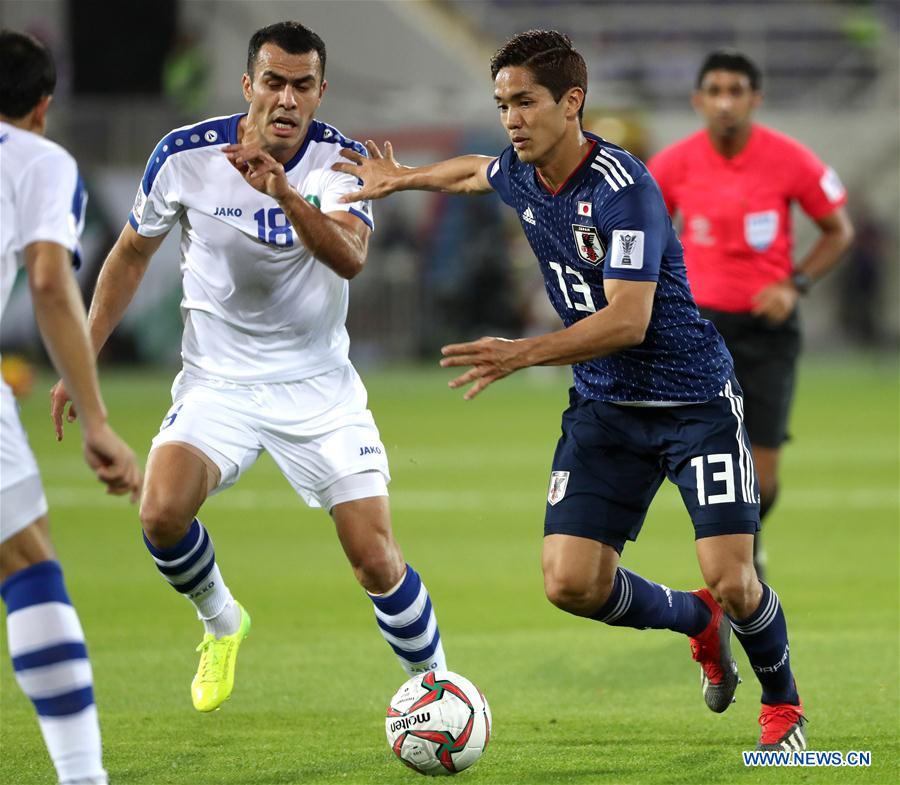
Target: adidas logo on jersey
529	216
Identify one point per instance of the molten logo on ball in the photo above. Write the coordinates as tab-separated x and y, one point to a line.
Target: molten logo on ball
450	735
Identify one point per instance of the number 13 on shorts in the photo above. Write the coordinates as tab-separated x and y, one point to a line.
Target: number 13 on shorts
719	469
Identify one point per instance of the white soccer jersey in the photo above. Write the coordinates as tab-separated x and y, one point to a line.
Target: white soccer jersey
41	198
257	305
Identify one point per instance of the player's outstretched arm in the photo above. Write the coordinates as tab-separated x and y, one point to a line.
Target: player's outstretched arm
621	324
60	317
382	175
120	276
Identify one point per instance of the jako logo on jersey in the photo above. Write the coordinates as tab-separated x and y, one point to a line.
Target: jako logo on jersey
558	483
369	451
529	216
230	211
589	245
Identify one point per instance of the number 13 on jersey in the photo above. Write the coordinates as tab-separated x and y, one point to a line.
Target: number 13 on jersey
580	299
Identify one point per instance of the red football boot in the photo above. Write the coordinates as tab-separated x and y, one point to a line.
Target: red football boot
712	649
782	727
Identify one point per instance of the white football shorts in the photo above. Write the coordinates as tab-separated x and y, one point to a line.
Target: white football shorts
317	430
22	499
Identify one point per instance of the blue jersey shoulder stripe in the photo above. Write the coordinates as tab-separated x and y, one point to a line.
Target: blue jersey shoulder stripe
79	202
362	217
322	132
219	130
79	208
328	133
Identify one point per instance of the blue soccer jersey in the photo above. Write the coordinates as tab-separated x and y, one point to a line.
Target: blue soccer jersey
608	220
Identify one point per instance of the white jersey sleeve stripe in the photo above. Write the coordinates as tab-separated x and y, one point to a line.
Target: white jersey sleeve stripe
617	164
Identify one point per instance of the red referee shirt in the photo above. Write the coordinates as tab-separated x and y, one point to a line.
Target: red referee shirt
736	211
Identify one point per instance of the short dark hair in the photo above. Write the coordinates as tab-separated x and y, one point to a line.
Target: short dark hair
27	73
550	56
730	60
293	37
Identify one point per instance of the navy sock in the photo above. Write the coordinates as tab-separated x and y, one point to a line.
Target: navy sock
637	602
763	634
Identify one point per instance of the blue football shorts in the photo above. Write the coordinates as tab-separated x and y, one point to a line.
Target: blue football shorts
611	460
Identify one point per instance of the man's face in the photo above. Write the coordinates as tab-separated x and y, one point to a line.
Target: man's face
284	94
726	101
534	122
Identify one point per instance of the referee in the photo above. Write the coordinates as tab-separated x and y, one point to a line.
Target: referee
733	183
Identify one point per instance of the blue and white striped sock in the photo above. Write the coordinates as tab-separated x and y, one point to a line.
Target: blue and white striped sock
51	663
190	566
408	624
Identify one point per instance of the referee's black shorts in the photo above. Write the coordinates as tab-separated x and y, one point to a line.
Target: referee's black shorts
765	364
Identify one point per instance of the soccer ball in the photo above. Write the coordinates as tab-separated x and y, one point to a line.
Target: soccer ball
438	723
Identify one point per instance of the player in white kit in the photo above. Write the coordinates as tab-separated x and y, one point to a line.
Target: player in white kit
267	251
41	214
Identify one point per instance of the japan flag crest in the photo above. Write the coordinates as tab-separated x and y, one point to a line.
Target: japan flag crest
558	483
588	244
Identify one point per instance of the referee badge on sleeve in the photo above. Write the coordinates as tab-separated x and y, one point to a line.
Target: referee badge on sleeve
832	186
558	483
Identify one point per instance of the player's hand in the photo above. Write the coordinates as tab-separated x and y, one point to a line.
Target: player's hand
378	172
258	168
491	359
113	462
59	397
775	302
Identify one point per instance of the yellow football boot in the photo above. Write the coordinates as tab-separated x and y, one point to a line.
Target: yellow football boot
214	681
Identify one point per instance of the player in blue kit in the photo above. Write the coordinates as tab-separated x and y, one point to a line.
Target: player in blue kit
654	394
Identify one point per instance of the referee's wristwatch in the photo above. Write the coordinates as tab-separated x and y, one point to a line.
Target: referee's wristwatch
801	281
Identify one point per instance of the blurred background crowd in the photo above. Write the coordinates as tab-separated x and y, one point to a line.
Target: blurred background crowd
416	72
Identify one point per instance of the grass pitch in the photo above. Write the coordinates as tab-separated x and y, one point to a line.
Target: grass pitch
573	701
